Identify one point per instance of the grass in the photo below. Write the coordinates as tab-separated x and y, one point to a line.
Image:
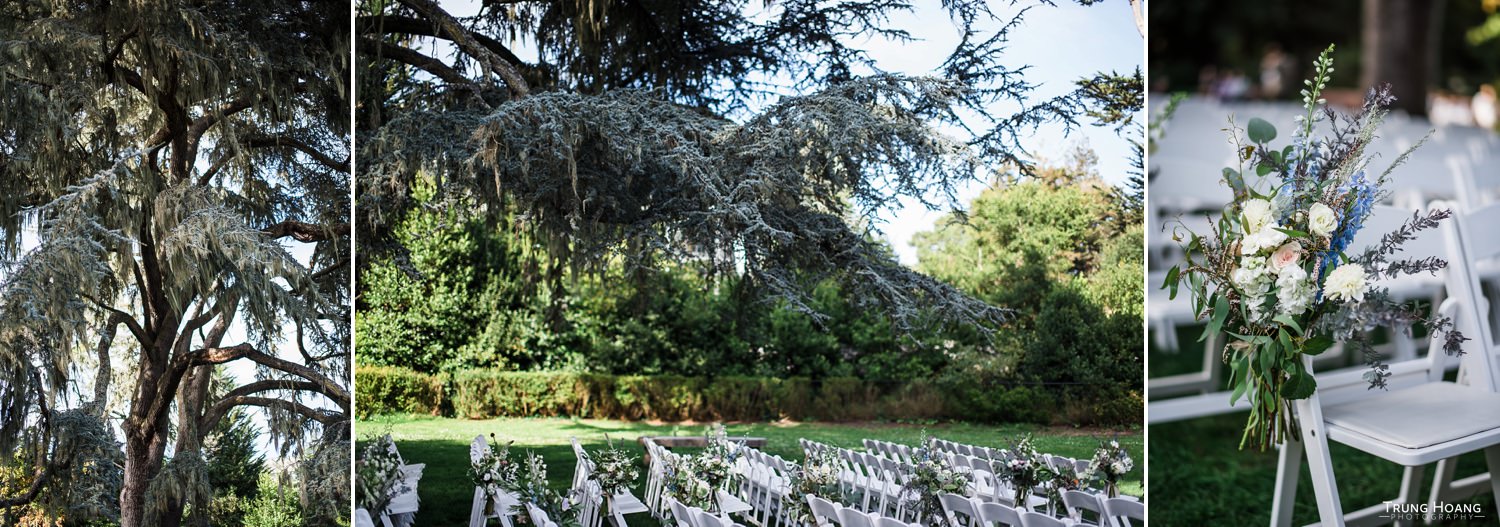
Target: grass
443	444
1199	477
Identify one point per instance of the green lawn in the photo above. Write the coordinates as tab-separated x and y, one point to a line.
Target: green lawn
1199	477
443	444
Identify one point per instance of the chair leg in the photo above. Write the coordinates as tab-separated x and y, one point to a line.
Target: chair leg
1411	485
1442	480
1288	472
1320	462
476	513
1492	458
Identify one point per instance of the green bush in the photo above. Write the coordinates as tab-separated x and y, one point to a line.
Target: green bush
481	394
386	389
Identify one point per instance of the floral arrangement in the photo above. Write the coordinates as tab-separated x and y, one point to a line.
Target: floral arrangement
684	484
817	475
494	469
614	469
378	476
930	478
716	463
1109	464
1058	479
530	486
1024	469
1277	274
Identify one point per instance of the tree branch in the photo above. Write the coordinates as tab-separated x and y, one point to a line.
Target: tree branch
306	232
118	316
410	57
285	141
466	42
387	24
224	405
42	476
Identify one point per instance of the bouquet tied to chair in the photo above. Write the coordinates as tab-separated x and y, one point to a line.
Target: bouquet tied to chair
1276	273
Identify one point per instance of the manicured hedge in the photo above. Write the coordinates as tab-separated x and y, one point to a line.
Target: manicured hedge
384	390
479	394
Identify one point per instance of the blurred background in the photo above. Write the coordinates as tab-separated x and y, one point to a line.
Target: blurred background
1211	60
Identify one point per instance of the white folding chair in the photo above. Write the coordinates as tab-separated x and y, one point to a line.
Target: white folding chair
1037	519
1125	512
999	515
958	510
1079	503
849	517
824	512
362	518
681	515
886	521
1421	419
480	511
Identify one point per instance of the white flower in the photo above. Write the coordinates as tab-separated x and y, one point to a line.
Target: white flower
1346	282
1294	292
1321	220
1262	239
1257	213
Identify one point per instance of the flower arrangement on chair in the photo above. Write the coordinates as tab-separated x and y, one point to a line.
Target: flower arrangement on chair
931	477
817	475
493	470
1110	463
378	477
530	486
1276	272
614	469
1023	470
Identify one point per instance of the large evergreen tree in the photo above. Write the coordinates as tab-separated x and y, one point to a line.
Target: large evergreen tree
157	162
646	131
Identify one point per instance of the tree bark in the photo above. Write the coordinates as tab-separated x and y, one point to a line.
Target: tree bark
1396	41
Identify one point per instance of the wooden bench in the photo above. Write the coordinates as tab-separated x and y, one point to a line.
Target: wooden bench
698	442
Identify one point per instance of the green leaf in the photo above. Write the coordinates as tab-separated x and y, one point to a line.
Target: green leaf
1317	345
1262	169
1260	131
1300	386
1171	282
1235	181
1287	320
1292	232
1285	339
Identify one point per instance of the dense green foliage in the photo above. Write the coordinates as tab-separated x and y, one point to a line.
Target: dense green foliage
443	444
1061	248
478	394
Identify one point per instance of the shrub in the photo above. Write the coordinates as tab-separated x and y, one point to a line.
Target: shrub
384	389
481	394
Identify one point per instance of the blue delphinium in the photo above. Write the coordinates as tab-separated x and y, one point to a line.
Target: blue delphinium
1354	217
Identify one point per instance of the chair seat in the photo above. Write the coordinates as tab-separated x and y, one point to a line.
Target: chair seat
1419	417
627	503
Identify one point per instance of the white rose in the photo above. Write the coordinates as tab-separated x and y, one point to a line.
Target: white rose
1321	220
1257	213
1263	239
1346	282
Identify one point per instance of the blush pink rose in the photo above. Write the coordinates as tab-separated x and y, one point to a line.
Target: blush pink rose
1289	254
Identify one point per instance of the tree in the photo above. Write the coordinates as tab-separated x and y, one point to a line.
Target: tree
1400	49
641	133
165	156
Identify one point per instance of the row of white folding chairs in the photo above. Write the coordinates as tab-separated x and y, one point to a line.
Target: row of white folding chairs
891	450
765	487
945	445
878	482
826	513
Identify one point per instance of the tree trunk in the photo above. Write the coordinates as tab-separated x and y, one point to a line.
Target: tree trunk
1396	41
